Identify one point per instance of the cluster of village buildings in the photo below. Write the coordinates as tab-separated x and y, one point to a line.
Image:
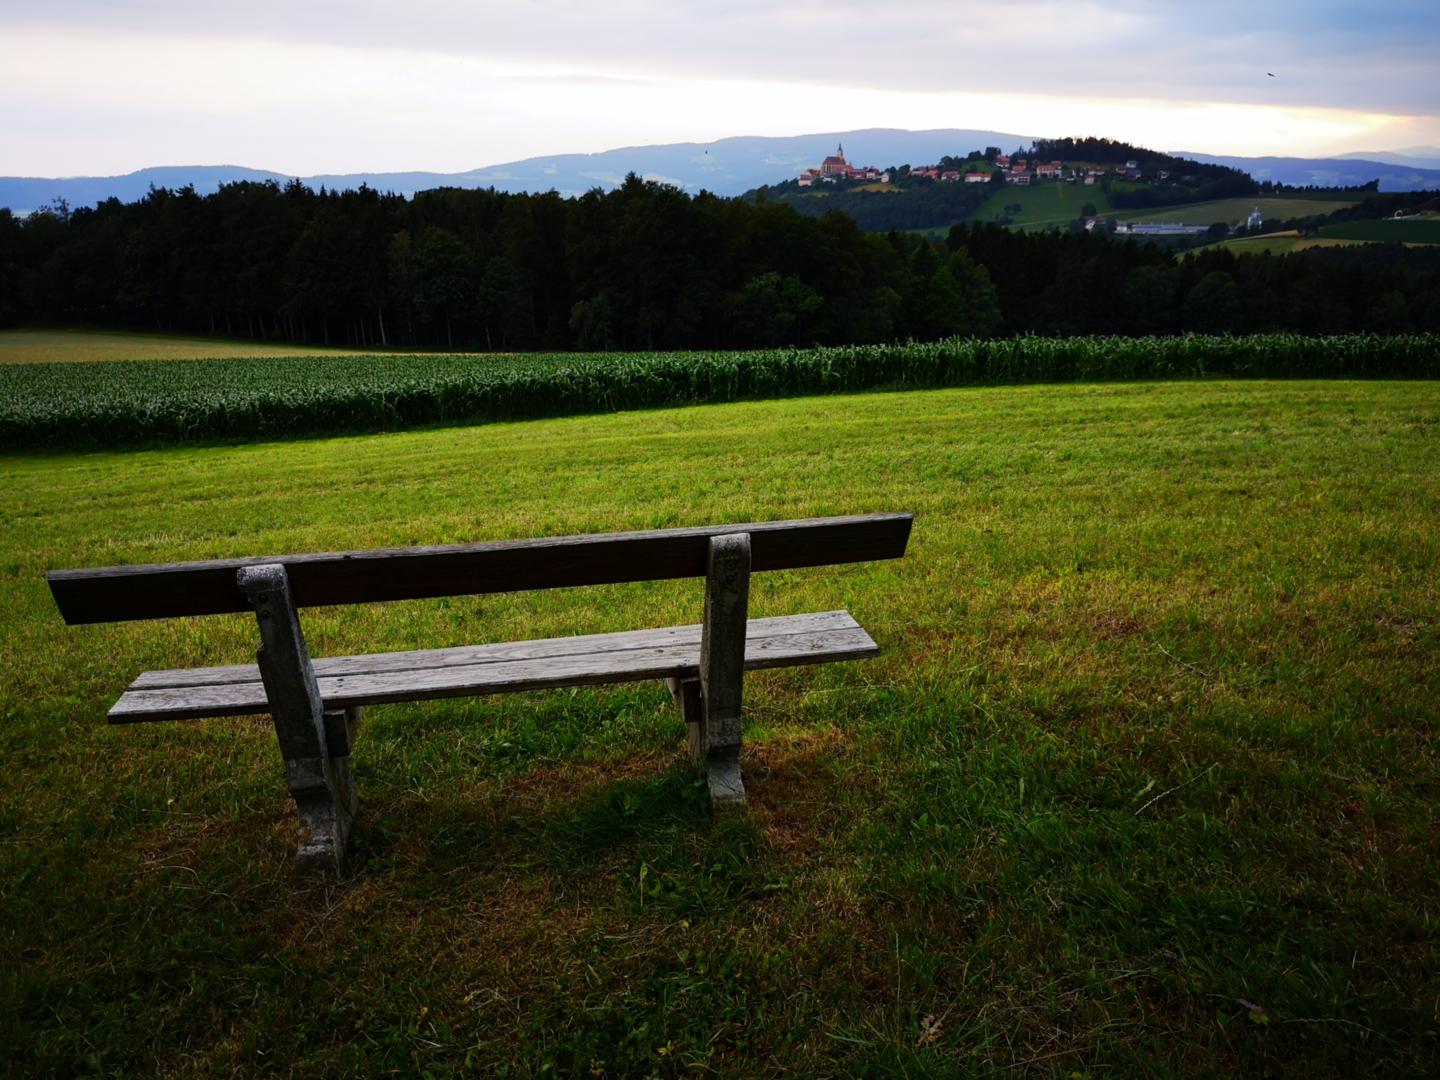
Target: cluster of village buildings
835	167
1253	223
1017	171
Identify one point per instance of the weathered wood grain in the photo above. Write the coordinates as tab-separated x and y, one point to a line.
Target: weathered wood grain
689	701
322	788
579	645
666	659
722	666
120	593
315	706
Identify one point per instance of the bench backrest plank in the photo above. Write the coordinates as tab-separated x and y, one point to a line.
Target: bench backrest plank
122	593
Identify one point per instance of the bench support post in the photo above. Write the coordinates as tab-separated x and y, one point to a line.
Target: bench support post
715	739
314	743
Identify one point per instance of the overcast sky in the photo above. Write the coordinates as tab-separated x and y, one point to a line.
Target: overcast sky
312	86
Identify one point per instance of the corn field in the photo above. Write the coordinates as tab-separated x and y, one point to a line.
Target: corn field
110	404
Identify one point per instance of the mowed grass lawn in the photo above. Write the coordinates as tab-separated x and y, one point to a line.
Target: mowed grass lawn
1145	781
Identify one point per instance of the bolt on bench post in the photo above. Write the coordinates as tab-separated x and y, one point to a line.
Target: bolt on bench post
314	743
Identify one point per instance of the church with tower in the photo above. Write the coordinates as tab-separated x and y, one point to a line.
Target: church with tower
835	167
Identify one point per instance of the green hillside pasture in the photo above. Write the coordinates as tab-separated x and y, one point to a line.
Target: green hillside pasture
1386	231
1413	232
1143	782
1053	205
1042	204
1232	211
52	405
86	346
1279	243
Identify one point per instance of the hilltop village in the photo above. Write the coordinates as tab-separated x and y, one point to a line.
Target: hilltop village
1092	184
982	168
835	168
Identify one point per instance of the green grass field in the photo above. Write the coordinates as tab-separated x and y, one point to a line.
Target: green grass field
1054	205
1280	243
1143	783
1345	234
1043	204
1411	231
1231	211
65	346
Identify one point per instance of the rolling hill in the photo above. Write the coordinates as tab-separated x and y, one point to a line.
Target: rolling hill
725	167
1331	172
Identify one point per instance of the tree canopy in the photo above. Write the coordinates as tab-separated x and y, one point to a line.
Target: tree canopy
645	267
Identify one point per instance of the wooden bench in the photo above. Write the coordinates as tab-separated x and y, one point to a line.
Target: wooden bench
316	705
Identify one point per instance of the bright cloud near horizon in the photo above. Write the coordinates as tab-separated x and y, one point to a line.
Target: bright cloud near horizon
94	87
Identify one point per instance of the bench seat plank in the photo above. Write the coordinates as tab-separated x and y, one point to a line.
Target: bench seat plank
376	663
669	652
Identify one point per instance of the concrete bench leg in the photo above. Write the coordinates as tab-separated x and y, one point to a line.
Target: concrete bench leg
716	743
317	766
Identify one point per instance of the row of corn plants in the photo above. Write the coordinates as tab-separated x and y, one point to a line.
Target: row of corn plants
110	404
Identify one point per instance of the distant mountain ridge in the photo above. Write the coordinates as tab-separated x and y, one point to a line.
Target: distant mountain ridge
725	167
1328	172
1415	157
25	193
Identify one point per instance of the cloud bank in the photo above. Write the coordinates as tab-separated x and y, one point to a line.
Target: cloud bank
326	86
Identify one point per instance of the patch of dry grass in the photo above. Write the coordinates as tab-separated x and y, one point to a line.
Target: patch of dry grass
85	346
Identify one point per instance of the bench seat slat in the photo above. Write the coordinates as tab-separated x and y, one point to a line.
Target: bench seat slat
580	645
671	652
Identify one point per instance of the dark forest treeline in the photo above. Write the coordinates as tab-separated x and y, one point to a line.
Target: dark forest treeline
1084	284
642	267
645	267
909	202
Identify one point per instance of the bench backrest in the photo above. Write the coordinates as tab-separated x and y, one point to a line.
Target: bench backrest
121	593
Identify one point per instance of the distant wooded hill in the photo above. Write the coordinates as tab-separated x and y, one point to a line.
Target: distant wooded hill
1392	174
1130	177
724	167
